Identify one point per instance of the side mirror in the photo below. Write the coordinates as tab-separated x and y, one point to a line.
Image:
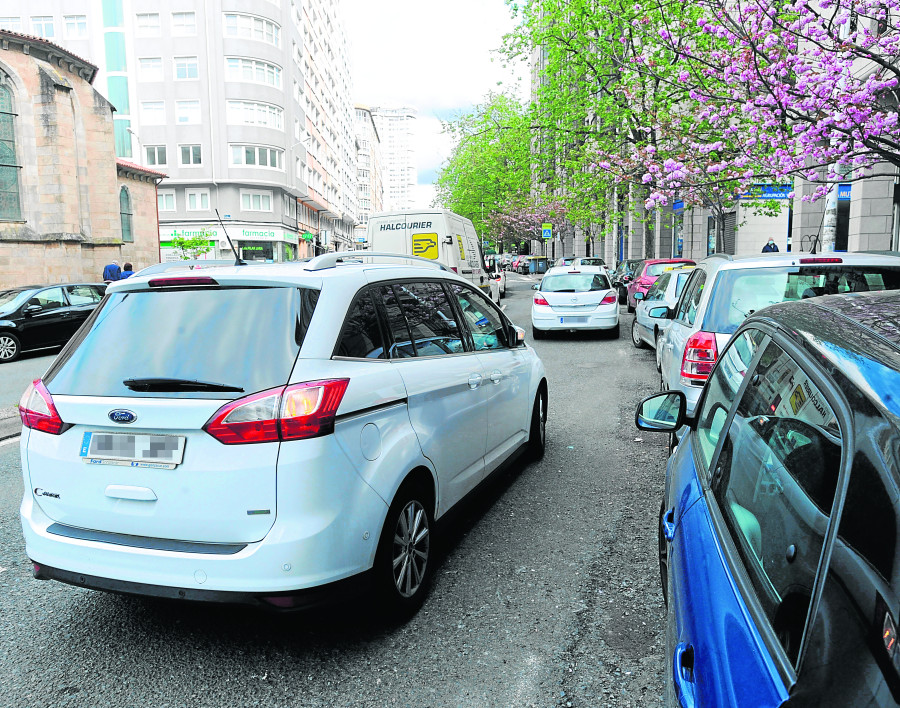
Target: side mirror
661	412
536	286
32	309
660	313
520	336
639	295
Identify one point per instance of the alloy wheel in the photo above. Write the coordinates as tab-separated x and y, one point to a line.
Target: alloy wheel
8	348
410	549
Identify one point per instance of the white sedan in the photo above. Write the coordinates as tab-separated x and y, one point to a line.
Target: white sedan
570	298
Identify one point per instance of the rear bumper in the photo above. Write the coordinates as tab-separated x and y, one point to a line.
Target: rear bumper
607	318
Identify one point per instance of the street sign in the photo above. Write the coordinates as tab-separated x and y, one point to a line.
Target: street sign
547	231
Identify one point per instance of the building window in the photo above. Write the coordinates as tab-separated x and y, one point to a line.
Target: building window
125	214
290	205
165	201
42	26
76	26
257	156
150	69
187	112
10	206
12	24
254	200
190	155
186	68
257	72
147	24
249	27
184	24
153	112
250	113
156	155
196	199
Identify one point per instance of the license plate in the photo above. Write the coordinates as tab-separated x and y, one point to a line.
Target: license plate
133	449
572	320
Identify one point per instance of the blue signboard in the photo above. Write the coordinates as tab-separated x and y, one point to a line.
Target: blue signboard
768	191
678	205
844	192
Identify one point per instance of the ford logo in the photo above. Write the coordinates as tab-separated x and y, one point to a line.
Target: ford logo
122	416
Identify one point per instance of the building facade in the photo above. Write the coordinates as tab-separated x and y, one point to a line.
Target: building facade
67	207
368	171
397	128
245	107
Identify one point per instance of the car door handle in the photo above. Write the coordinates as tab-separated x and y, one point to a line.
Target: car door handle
496	376
683	675
668	524
475	381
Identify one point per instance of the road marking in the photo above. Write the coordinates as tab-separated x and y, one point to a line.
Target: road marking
10	441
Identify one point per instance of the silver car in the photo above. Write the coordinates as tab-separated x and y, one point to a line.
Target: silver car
646	330
723	290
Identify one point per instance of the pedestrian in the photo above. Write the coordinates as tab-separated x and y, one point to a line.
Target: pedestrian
771	246
127	270
112	272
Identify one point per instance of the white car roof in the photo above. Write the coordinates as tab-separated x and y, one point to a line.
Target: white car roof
561	270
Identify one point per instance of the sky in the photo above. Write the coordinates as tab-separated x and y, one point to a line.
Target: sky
438	57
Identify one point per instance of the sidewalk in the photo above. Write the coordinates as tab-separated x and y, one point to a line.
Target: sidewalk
10	424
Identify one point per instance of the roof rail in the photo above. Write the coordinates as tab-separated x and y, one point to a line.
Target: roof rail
183	265
330	260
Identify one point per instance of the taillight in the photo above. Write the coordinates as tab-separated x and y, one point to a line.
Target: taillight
37	411
700	355
295	412
539	300
805	261
609	299
454	269
182	282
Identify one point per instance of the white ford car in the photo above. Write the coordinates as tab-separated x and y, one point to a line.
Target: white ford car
574	298
272	434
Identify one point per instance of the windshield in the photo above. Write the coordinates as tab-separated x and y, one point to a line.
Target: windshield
740	293
12	299
239	338
574	283
656	269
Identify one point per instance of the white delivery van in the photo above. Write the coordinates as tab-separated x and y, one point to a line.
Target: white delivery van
436	234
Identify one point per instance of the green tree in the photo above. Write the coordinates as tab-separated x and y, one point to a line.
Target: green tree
195	246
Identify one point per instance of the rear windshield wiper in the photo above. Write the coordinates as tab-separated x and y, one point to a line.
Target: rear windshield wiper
156	384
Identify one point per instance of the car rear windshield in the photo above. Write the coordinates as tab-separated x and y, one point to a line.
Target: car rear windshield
241	338
740	293
574	283
592	262
655	269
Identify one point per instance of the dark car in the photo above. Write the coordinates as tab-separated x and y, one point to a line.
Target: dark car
40	316
624	274
779	535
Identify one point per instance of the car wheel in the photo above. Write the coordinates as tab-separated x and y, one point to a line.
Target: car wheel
537	437
403	561
10	348
636	336
537	333
663	554
630	309
658	359
623	296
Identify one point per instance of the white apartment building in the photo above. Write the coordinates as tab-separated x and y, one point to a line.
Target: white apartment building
245	107
397	128
368	170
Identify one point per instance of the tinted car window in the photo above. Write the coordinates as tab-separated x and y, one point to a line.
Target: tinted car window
592	262
49	299
574	283
401	344
690	301
485	324
432	323
655	269
739	293
83	294
658	289
775	482
243	337
361	337
722	389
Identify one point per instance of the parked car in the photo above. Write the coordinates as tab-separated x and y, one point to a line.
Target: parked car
622	275
279	459
723	290
589	261
574	300
665	291
563	261
497	277
647	273
43	316
778	530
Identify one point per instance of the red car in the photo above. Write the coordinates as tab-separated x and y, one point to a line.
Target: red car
647	273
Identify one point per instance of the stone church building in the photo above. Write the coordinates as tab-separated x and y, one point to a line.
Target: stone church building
68	207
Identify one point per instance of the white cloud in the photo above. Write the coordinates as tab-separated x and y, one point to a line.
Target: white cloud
440	58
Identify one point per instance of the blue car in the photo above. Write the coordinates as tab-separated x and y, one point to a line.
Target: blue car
778	532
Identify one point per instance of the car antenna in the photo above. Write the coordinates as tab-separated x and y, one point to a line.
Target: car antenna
237	258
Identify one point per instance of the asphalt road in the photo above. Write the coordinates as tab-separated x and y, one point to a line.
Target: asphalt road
546	589
14	379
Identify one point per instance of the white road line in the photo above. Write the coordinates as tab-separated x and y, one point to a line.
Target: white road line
9	441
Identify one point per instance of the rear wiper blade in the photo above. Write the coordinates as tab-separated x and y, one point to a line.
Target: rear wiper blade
159	384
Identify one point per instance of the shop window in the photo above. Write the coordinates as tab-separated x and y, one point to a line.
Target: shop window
125	214
10	204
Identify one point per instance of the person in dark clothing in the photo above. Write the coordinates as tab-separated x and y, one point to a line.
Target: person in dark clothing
112	272
127	270
770	247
